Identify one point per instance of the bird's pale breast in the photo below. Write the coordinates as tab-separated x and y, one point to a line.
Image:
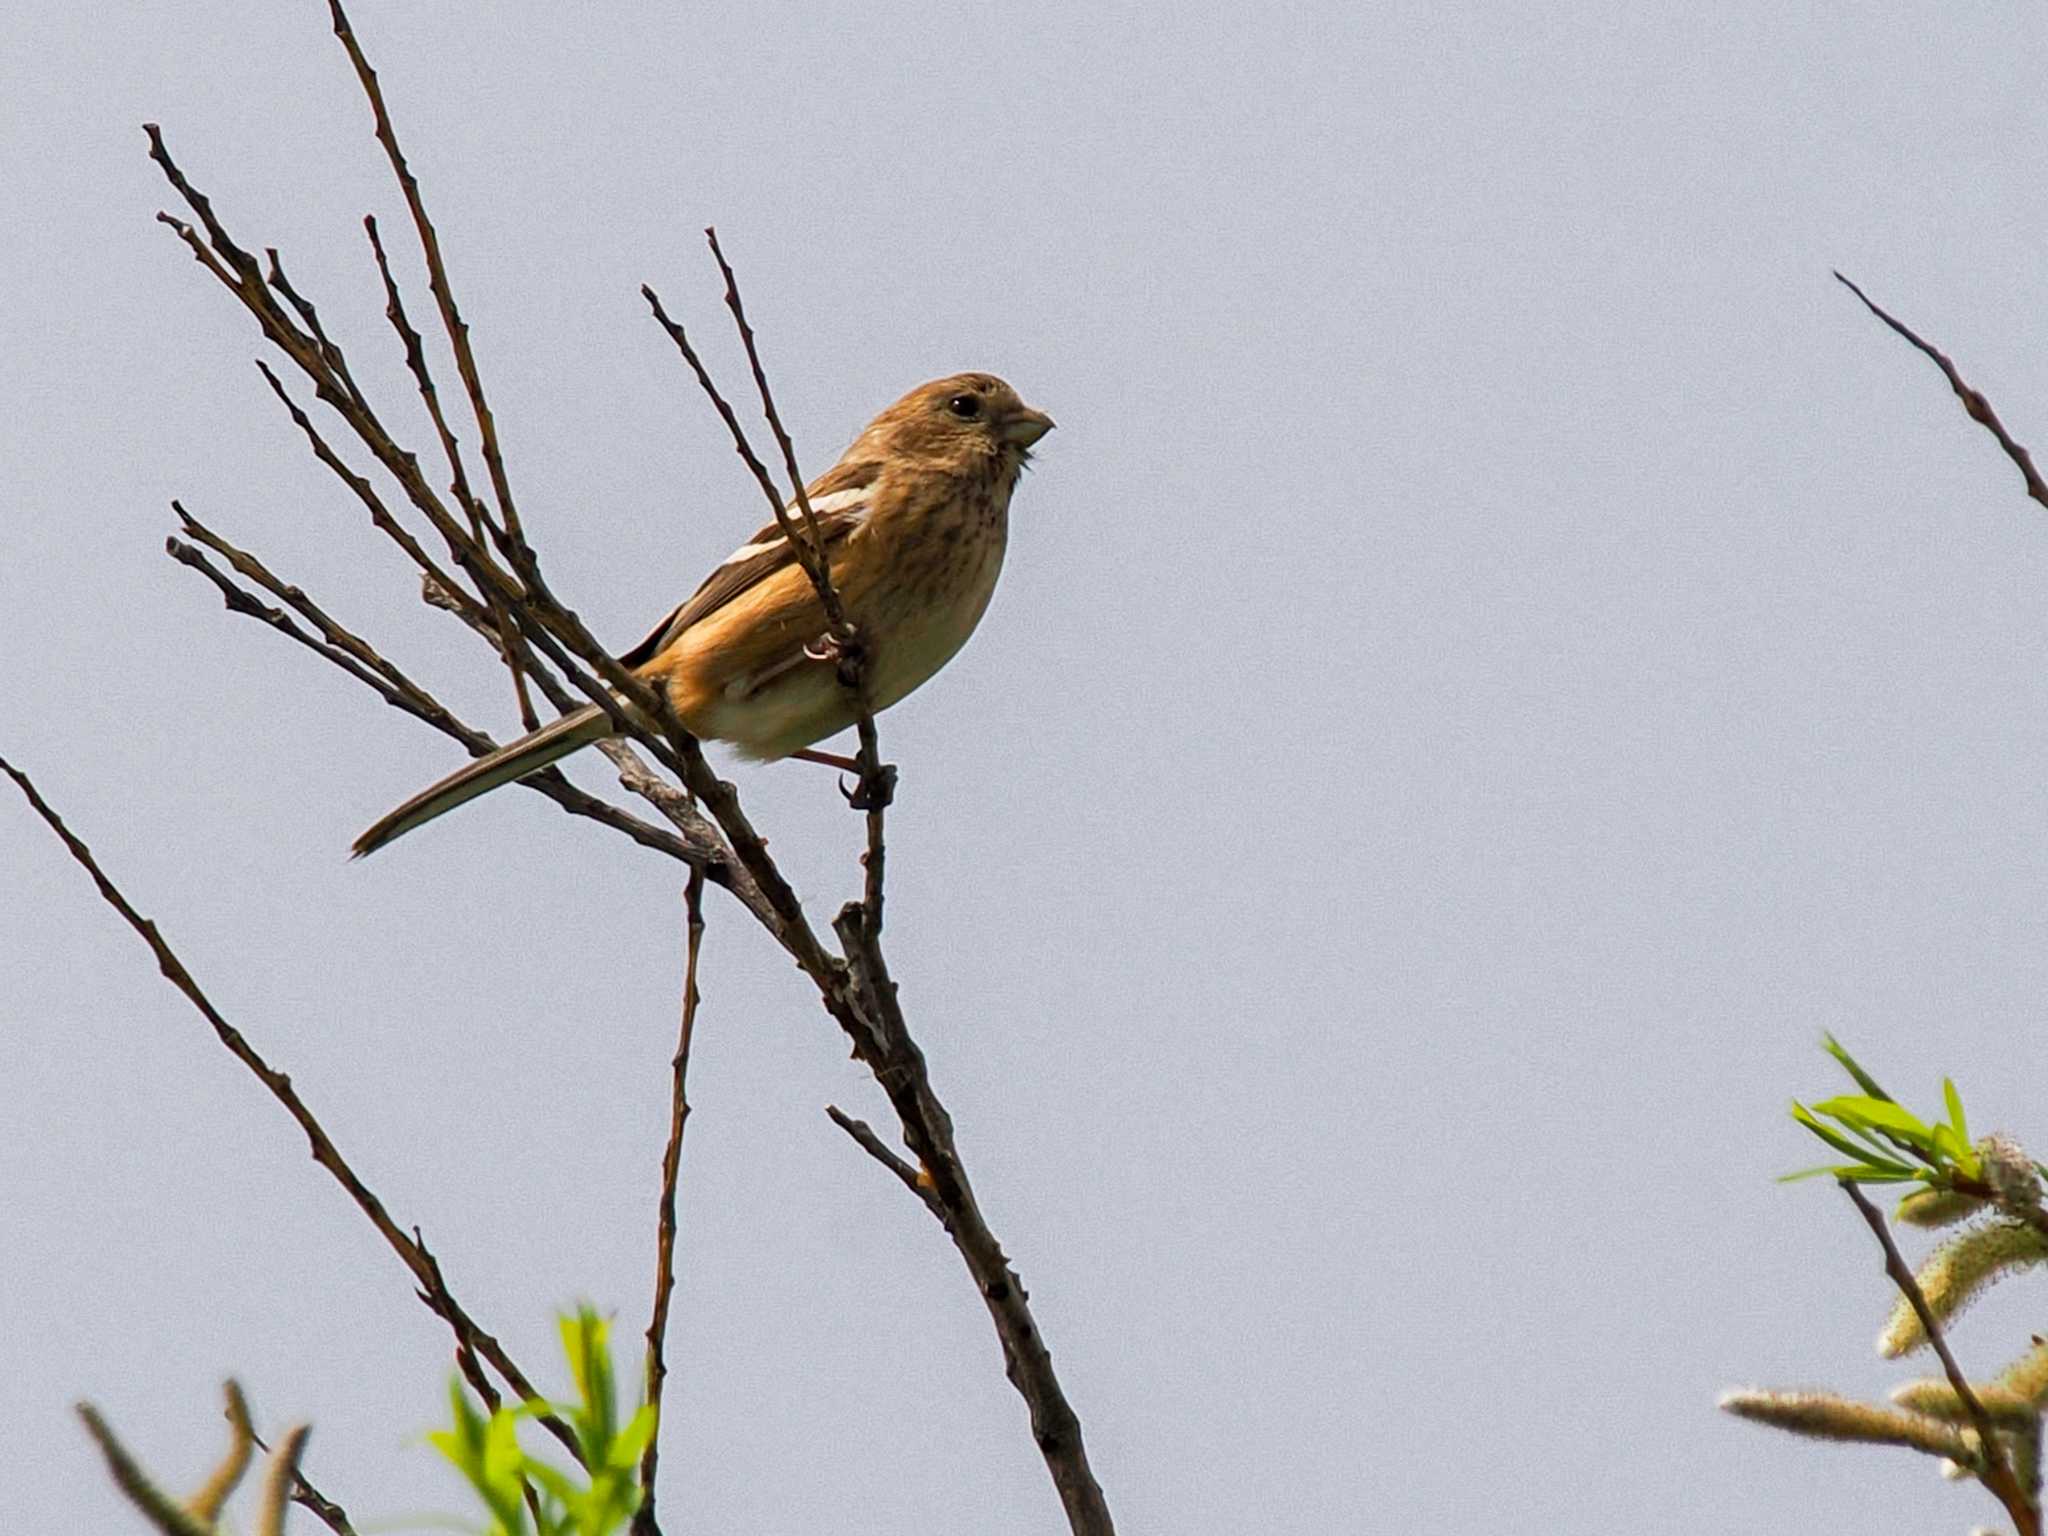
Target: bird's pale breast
915	581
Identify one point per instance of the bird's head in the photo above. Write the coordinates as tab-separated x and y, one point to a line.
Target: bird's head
966	418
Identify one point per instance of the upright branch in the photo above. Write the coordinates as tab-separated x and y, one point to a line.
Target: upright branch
479	517
877	783
671	1169
873	1019
444	294
1997	1471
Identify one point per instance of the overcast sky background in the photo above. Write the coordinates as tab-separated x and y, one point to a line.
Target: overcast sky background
1501	653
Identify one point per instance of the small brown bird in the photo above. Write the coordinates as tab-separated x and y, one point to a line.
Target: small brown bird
914	517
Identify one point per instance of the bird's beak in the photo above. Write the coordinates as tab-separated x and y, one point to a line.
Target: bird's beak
1025	427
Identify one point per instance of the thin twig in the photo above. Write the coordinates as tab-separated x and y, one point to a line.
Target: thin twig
877	784
437	280
311	1499
665	1221
809	554
865	1138
698	845
1997	1472
1975	406
433	1291
479	516
547	624
820	573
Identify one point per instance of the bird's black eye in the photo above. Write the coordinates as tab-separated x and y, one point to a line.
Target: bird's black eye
966	407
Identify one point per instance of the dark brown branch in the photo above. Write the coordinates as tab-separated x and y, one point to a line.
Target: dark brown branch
698	845
469	1336
815	566
928	1130
868	1012
310	1498
634	775
877	783
1975	406
807	550
1997	1471
546	623
316	1503
636	709
380	515
665	1220
416	362
310	318
444	295
865	1138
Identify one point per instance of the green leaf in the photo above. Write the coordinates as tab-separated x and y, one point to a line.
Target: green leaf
557	1482
1832	1170
1886	1114
632	1440
1864	1156
504	1461
1885	1119
1863	1079
1954	1101
1882	1176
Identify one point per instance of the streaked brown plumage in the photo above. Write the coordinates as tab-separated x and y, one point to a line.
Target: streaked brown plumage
914	517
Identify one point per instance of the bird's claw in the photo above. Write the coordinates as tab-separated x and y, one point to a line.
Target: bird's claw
872	792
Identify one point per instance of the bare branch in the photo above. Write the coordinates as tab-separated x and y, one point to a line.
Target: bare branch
699	845
807	550
1975	406
469	1336
865	1138
479	516
665	1221
304	1494
820	573
1997	1473
877	783
437	280
928	1130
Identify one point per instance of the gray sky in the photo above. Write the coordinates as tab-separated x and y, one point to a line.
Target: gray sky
1501	652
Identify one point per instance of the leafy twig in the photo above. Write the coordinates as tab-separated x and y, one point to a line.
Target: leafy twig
1998	1475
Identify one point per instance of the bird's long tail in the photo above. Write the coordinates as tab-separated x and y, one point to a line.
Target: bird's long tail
529	754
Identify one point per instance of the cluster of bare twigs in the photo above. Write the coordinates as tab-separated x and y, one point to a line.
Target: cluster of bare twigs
488	574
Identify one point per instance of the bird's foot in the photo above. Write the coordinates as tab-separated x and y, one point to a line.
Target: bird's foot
872	792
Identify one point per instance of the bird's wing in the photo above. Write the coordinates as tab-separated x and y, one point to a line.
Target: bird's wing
839	512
